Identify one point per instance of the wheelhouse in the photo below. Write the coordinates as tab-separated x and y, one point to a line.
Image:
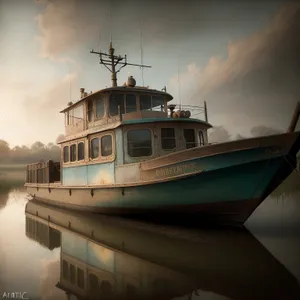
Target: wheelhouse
130	123
114	104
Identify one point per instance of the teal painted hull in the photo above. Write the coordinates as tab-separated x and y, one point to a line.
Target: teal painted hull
225	187
226	195
229	184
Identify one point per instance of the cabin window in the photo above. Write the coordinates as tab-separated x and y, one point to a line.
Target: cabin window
100	107
72	273
168	140
65	269
77	114
189	135
106	145
145	102
70	117
90	110
139	143
106	289
116	100
67	118
158	102
66	154
94	148
73	153
201	138
160	285
130	103
131	291
93	284
80	278
81	151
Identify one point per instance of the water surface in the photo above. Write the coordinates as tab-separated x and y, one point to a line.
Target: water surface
178	264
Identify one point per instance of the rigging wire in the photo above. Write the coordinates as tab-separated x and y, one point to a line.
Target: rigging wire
142	53
178	82
70	83
110	20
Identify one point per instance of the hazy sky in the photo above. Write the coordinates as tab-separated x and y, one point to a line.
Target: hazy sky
242	57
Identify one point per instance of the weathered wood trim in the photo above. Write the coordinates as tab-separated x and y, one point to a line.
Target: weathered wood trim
76	142
93	130
87	160
102	159
283	141
118	185
121	89
129	159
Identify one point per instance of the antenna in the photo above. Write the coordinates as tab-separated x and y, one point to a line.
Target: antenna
70	83
178	79
110	21
142	70
99	41
110	61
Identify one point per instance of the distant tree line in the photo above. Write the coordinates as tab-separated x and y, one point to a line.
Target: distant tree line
24	155
219	134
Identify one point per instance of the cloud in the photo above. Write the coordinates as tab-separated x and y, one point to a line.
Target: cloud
63	26
187	82
218	134
270	53
259	77
41	110
52	99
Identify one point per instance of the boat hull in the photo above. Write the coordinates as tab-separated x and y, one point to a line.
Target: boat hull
232	213
223	196
226	188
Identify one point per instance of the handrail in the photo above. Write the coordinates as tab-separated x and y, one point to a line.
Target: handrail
195	110
43	172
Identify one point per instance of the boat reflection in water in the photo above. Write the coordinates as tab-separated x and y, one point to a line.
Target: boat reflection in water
111	258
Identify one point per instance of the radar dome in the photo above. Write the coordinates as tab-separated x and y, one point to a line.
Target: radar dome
131	81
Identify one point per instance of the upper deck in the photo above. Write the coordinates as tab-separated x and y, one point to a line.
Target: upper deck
108	108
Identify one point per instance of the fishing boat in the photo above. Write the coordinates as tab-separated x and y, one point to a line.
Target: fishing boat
129	150
108	257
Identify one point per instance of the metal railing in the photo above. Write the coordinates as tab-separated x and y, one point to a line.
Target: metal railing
197	112
43	172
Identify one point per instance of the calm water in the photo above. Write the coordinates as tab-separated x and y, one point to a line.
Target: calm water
262	262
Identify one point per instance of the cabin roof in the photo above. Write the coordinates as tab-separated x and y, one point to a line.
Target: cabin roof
156	120
117	124
120	89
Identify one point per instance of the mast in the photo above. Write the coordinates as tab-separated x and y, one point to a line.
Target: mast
111	61
113	66
205	112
